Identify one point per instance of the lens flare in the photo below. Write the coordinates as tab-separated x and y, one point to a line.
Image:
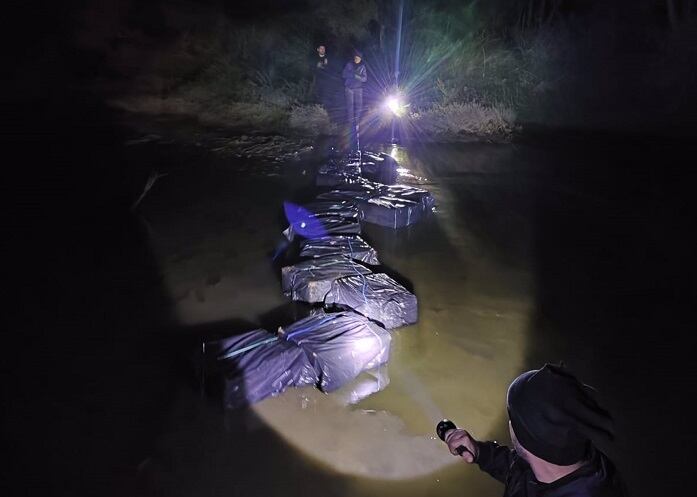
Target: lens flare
394	105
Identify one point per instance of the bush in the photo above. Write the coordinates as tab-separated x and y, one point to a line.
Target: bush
310	120
451	121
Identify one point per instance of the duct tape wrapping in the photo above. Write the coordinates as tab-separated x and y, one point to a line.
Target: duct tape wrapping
322	218
349	246
340	345
377	297
257	365
309	281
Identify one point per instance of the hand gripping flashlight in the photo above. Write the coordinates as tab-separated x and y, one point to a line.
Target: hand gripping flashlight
444	427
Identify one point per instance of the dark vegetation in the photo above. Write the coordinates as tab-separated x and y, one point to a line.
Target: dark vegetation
469	67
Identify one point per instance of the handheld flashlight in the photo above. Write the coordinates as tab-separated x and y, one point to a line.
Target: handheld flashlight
444	427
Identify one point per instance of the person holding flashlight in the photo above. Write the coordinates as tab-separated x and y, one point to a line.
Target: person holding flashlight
355	76
553	420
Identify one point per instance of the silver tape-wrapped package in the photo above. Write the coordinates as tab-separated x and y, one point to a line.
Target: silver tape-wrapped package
376	296
341	345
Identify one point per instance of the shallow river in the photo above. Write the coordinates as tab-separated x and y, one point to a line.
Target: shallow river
506	274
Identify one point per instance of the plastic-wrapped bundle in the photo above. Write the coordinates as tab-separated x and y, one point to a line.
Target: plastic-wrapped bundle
412	193
257	365
377	297
340	345
350	246
397	206
380	167
338	173
309	281
365	385
358	192
322	218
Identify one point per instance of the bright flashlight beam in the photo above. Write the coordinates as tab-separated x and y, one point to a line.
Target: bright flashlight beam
393	105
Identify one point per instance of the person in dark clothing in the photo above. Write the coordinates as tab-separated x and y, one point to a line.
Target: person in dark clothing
355	75
553	419
322	77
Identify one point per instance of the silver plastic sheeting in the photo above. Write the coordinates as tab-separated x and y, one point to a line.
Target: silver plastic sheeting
406	192
357	192
365	385
257	365
322	218
379	167
392	212
309	281
335	173
397	206
350	246
393	206
340	345
377	297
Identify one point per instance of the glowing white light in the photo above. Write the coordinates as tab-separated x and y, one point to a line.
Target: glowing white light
394	153
394	105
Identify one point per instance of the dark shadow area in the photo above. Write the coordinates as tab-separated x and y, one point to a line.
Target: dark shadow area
614	290
90	374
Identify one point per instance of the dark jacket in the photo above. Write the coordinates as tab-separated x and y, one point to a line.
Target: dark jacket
321	67
598	478
354	75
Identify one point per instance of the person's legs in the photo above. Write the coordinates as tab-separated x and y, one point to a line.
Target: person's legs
358	102
349	107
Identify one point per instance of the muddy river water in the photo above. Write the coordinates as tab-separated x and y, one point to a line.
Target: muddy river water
506	272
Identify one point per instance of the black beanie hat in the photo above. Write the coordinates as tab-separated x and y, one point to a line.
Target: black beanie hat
554	416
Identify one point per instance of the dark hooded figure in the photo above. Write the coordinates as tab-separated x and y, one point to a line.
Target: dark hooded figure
553	421
355	75
322	71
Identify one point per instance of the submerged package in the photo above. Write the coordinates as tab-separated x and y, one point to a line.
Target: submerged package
365	385
340	345
380	167
397	206
357	192
323	218
309	281
335	173
349	246
377	297
256	365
